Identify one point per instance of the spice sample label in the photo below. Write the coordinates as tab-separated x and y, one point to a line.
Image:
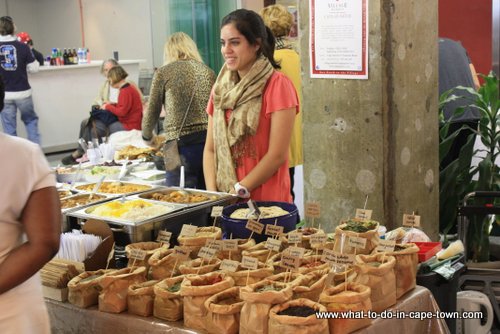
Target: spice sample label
255	226
274	230
273	244
318	238
295	251
333	257
289	262
214	244
385	245
207	252
230	245
356	242
313	210
364	214
229	265
294	237
181	253
137	254
188	230
411	220
164	236
249	262
216	211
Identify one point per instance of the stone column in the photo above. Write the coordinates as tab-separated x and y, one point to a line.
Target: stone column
377	137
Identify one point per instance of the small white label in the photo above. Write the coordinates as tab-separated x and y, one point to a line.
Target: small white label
214	244
164	236
294	237
274	230
229	265
313	210
333	257
188	230
318	238
137	254
295	251
216	211
411	220
255	226
207	253
363	214
181	253
249	262
230	245
273	244
356	242
385	245
289	262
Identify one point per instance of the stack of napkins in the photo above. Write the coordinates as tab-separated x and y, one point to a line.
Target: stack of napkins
77	246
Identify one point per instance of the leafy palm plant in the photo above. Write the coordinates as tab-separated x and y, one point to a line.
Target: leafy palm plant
459	177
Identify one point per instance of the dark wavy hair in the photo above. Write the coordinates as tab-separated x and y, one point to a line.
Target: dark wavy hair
251	25
6	26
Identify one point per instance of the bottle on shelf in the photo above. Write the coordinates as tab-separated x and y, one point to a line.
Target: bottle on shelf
65	57
88	55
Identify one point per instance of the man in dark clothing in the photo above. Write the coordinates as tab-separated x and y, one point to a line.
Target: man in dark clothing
16	59
456	69
25	38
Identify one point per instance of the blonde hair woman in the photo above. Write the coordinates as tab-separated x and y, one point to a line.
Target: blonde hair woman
182	85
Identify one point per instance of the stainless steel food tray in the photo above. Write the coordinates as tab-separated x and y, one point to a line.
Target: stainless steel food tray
150	186
214	196
79	195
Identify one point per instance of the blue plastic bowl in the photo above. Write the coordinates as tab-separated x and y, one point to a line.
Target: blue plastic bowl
237	226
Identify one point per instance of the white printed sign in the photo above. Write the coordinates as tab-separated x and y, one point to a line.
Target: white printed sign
294	237
356	242
273	244
188	230
216	211
363	214
249	262
385	245
229	265
164	236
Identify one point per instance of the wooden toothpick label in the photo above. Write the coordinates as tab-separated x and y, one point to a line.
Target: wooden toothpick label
137	254
188	230
164	236
328	256
249	262
273	230
181	253
273	244
230	245
229	265
411	220
297	252
318	238
356	242
216	211
255	226
364	214
294	237
207	253
313	210
386	245
289	262
214	244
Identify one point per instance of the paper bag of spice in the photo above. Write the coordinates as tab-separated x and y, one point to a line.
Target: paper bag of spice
83	290
297	316
199	266
140	298
195	242
148	246
224	311
360	229
253	275
312	285
113	297
162	263
243	245
406	267
168	302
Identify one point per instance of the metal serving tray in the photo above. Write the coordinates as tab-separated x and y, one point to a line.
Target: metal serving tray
79	190
99	198
213	196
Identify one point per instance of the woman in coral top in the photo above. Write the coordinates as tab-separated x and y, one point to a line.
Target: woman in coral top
251	111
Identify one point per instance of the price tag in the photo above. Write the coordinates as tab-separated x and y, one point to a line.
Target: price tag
411	220
385	245
230	245
273	244
295	251
363	214
313	210
318	238
216	211
249	262
328	256
207	253
214	244
274	230
333	257
164	236
255	226
181	253
356	242
188	230
294	237
137	254
229	265
289	262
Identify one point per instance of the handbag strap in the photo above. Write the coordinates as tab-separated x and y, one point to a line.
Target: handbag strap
185	115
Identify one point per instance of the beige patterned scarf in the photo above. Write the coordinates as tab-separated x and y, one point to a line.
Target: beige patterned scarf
244	98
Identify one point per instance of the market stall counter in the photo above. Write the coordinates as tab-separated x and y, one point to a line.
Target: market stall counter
67	318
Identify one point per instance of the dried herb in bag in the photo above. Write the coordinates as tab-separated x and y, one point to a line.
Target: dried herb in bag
297	316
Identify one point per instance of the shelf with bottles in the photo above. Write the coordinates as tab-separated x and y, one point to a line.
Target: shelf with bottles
69	56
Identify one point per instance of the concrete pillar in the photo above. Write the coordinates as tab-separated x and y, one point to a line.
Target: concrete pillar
377	137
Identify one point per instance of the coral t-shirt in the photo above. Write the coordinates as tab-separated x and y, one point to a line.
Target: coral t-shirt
279	94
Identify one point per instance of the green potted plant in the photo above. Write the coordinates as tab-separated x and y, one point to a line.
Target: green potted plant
459	177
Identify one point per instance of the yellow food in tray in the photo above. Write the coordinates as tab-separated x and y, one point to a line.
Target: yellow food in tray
115	187
64	193
134	210
79	200
178	197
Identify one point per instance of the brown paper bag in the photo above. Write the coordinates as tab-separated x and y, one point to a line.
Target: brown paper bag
254	276
255	311
284	324
195	266
371	237
83	290
259	251
149	247
292	278
406	268
162	263
140	298
196	289
311	286
168	303
199	240
243	245
355	298
381	280
306	237
113	297
312	263
224	311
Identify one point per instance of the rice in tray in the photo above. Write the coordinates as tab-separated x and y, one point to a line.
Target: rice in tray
135	210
